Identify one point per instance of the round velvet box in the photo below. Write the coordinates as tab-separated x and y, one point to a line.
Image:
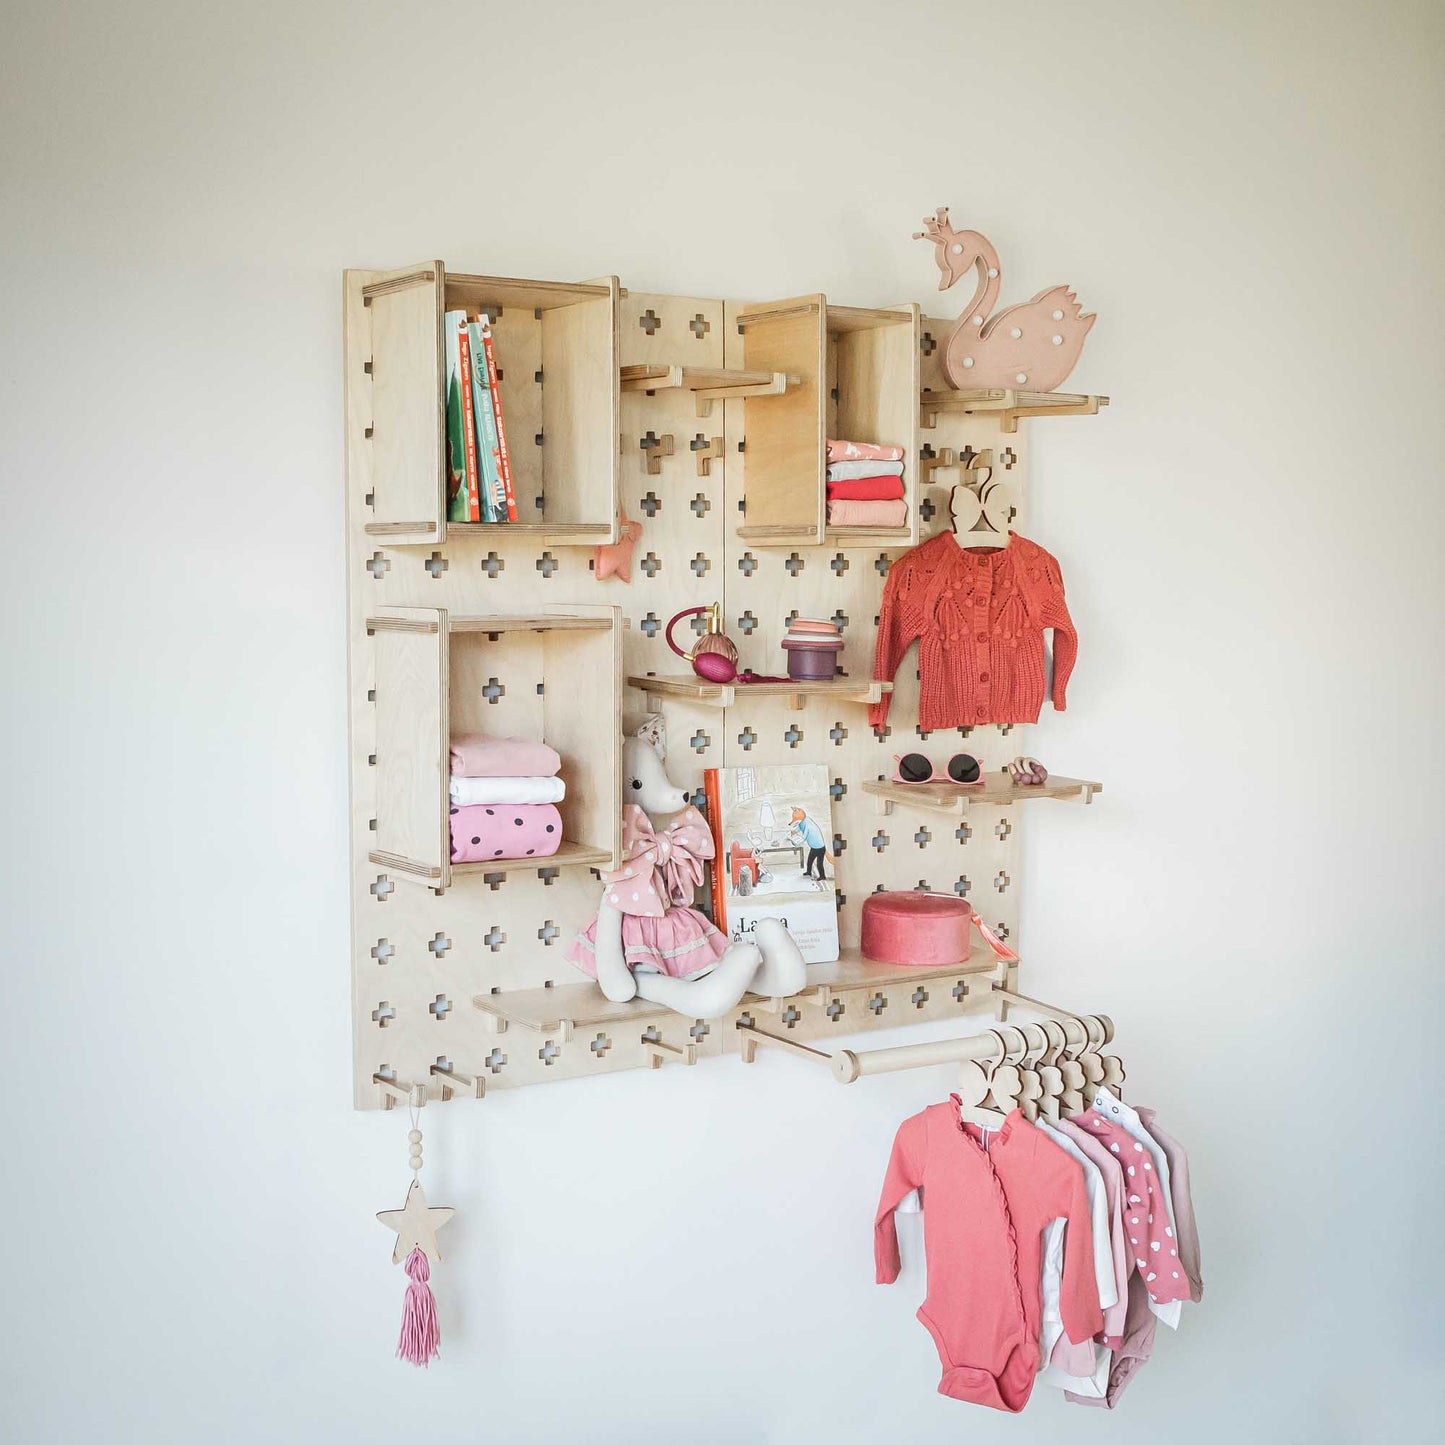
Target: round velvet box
809	662
916	928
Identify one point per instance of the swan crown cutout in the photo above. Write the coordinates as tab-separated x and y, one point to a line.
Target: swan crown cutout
1033	345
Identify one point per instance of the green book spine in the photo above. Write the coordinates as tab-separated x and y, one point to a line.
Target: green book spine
458	501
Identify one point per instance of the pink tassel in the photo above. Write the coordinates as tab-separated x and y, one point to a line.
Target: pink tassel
420	1336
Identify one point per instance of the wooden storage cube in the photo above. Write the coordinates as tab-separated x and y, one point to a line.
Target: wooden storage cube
858	379
873	387
557	356
554	678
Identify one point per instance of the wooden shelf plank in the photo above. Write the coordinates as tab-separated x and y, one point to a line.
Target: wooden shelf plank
1008	403
995	790
580	530
840	689
573	1006
546	622
707	383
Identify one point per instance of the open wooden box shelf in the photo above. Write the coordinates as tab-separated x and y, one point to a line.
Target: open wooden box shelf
726	694
858	370
439	674
557	358
565	1007
994	791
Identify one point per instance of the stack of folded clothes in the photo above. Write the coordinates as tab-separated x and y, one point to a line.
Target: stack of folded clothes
504	794
865	485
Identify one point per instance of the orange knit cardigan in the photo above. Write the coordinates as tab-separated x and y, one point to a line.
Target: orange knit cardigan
979	618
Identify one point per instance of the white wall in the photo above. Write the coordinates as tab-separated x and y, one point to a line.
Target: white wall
1249	195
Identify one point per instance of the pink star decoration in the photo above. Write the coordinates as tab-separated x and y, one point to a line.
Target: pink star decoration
615	559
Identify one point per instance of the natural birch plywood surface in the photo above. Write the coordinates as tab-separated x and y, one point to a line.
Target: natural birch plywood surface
420	958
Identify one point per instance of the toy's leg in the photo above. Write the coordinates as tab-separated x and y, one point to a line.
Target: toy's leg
705	998
614	977
783	972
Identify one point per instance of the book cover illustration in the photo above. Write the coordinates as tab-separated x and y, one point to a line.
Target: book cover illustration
458	501
772	826
489	482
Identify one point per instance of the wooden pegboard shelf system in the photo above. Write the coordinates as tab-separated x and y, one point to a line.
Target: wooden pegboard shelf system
568	1007
995	791
726	694
504	628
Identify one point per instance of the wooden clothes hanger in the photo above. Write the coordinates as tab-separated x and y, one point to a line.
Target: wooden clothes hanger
982	506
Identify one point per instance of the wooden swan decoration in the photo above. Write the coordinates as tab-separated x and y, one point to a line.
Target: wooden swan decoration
1033	345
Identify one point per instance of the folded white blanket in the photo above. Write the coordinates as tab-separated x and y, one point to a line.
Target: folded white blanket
507	790
850	471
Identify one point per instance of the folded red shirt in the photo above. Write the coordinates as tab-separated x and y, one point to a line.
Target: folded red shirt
866	489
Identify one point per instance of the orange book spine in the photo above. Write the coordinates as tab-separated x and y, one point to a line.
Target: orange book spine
717	869
504	461
469	424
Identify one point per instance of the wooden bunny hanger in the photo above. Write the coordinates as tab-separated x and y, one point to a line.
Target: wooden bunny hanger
982	505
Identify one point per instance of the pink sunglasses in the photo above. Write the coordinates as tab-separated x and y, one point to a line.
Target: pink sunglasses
963	769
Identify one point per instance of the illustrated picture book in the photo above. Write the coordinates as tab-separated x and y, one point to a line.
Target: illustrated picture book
773	830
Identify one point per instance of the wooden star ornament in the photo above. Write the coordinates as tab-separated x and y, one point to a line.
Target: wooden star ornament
615	559
416	1224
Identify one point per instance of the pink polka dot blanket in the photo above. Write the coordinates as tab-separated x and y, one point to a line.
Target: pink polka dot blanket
504	830
653	891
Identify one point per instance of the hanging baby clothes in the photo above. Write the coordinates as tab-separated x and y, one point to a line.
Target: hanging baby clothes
988	1196
979	619
1183	1201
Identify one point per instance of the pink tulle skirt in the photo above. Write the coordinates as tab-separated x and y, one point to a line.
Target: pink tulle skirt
683	944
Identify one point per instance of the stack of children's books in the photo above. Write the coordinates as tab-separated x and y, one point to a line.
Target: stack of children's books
479	470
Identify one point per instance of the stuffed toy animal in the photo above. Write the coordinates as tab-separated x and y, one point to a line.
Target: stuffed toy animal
647	940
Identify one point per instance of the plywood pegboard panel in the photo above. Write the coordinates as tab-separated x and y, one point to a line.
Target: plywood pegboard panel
420	957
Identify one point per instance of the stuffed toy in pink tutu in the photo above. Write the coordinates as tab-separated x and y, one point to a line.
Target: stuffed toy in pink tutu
648	940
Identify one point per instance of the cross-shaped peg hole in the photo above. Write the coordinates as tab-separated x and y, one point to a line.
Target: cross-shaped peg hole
700	565
927	344
491	564
436	564
549	1053
959	991
493	690
840	845
439	945
650	625
547	564
383	951
882	563
705	450
794	564
651	564
923	837
837	789
382	1014
1002	829
651	504
837	733
699	1031
494	938
840	620
496	1061
700	505
918	997
790	1016
699	742
600	1045
654	448
378	565
746	623
494	880
962	885
877	1004
880	840
839	564
549	933
383	888
747	564
1009	457
1001	881
793	736
835	1010
699	326
927	510
746	739
649	321
440	1007
549	875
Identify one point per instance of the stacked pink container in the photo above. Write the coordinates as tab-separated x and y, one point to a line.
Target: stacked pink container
812	649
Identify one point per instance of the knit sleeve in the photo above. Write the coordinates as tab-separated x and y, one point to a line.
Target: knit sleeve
1078	1291
905	1172
1054	612
898	627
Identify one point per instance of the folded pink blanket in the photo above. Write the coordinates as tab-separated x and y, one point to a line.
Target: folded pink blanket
523	830
475	756
867	514
866	489
862	452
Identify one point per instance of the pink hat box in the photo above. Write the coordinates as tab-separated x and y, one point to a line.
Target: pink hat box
916	929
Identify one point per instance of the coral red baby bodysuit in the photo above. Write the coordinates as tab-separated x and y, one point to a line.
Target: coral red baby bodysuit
988	1196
